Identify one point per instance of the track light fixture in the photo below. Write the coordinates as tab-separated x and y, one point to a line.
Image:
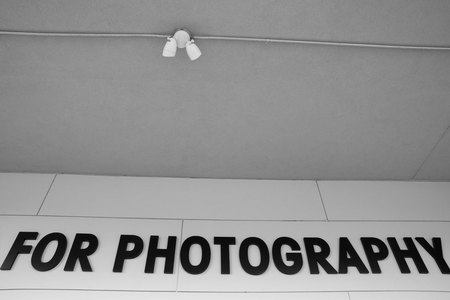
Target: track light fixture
170	48
181	39
192	50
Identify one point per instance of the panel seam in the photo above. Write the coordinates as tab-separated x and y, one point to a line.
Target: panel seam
431	152
321	200
46	194
179	260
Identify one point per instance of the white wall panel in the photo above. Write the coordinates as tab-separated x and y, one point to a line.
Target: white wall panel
183	198
206	204
94	295
386	200
400	296
22	194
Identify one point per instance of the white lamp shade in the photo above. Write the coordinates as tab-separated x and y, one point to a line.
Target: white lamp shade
192	50
170	48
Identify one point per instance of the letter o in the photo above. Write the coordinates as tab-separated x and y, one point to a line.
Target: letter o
184	255
36	258
244	259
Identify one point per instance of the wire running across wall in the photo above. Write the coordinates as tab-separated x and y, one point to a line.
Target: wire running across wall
229	38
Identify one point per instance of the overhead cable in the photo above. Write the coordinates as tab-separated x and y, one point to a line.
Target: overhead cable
230	38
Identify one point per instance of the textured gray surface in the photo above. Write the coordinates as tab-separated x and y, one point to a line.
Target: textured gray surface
243	110
402	21
437	165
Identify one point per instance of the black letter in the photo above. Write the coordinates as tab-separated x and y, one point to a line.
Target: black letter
295	257
372	256
36	258
411	252
17	248
154	252
348	257
224	243
436	252
81	254
123	253
184	255
318	258
243	256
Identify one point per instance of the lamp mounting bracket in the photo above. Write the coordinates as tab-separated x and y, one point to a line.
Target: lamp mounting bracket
182	36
